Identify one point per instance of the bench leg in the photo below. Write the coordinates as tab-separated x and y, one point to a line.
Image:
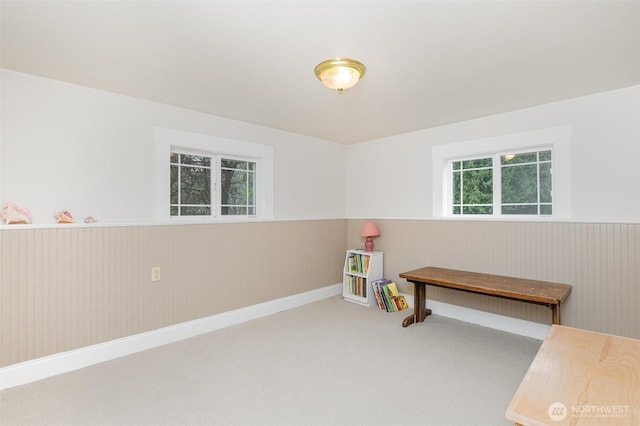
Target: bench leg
411	319
555	312
419	310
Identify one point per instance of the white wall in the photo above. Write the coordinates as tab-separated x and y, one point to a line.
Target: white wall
605	152
91	152
67	146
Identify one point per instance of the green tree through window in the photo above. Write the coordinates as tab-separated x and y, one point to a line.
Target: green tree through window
190	185
473	186
238	180
526	183
520	184
193	178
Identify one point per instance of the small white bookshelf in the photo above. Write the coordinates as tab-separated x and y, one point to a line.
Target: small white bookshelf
360	269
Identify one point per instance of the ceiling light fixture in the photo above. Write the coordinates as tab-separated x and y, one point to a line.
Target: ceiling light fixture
339	73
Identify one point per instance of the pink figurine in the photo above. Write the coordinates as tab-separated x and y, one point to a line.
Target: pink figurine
64	217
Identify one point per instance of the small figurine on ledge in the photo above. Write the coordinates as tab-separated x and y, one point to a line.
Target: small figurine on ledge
14	213
64	217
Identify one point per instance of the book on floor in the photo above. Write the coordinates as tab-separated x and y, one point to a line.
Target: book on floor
388	298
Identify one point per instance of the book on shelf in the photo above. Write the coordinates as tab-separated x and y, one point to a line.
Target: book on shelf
357	285
387	295
358	263
351	263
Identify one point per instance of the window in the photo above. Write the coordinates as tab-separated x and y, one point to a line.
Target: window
208	177
526	183
517	183
472	186
237	183
525	174
193	186
190	185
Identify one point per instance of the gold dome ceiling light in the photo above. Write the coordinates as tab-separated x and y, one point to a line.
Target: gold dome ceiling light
339	73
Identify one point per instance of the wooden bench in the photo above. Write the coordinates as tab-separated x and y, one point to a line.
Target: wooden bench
530	291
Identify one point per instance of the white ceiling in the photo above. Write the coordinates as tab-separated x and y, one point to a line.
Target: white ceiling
428	62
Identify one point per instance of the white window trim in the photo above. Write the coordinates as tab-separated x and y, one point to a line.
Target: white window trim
168	140
558	138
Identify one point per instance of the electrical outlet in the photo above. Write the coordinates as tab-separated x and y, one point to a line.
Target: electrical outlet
155	273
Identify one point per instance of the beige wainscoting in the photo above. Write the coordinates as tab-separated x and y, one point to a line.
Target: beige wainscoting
600	260
64	288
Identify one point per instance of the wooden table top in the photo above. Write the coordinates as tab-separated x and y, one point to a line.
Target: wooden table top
580	377
536	291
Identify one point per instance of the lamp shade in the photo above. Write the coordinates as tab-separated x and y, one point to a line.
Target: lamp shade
369	229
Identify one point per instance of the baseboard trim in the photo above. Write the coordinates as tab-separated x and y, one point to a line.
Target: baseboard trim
53	365
518	326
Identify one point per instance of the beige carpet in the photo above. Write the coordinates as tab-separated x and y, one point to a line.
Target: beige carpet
328	363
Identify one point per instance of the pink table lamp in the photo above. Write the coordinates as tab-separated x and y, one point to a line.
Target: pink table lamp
369	229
